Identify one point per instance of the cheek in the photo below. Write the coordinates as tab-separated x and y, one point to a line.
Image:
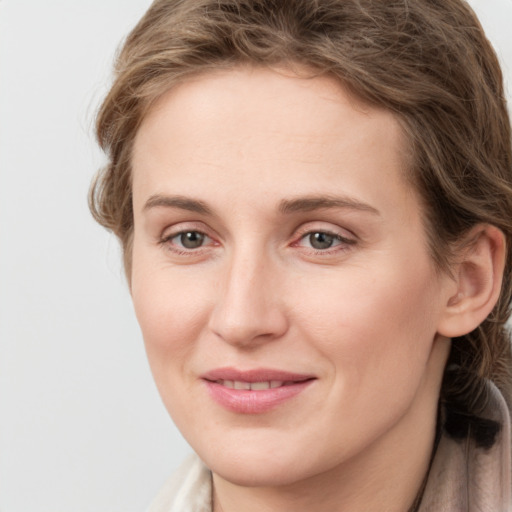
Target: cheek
372	322
172	311
375	332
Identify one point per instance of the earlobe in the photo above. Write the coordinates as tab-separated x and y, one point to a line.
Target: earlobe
477	281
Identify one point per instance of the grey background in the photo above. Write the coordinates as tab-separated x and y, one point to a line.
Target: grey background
81	424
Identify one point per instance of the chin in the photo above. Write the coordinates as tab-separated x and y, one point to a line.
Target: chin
260	465
270	473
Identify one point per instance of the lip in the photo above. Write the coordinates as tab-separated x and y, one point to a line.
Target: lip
247	401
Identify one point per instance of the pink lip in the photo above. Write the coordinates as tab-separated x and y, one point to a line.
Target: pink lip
254	401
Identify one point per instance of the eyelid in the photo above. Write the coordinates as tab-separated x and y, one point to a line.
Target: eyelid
317	227
183	227
339	238
186	227
180	233
346	239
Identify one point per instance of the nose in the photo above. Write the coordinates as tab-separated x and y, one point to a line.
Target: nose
249	310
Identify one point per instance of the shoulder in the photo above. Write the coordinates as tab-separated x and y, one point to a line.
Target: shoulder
187	490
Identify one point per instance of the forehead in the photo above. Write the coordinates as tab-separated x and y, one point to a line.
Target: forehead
238	94
268	130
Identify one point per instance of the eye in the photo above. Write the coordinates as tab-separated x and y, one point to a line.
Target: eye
191	239
324	240
320	240
188	240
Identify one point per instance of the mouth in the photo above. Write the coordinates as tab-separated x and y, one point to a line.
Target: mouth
254	386
254	391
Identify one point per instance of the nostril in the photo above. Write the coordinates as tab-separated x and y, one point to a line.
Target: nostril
247	310
248	328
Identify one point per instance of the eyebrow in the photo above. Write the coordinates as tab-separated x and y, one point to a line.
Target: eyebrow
311	203
286	206
181	202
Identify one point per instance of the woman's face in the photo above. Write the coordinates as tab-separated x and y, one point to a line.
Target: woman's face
281	276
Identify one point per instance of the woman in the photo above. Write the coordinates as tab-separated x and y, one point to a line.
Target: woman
314	201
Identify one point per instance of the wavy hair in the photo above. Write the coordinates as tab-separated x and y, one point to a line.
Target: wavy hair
427	61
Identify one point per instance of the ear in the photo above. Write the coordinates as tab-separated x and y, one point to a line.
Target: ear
476	284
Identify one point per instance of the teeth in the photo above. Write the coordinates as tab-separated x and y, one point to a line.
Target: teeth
255	386
260	385
242	385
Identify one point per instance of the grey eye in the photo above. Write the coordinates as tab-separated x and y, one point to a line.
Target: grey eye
321	240
191	239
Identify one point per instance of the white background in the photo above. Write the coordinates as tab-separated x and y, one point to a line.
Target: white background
81	424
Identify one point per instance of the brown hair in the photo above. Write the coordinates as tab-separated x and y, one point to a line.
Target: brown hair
428	61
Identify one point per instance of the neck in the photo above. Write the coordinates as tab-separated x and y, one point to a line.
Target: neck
387	477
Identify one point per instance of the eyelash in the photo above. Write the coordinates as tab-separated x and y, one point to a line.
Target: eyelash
343	245
167	242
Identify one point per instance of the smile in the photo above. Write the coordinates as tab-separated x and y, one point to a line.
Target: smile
253	386
254	391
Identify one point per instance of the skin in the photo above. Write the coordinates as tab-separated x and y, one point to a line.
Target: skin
363	316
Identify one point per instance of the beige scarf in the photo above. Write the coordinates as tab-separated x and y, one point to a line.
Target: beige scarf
463	477
468	478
